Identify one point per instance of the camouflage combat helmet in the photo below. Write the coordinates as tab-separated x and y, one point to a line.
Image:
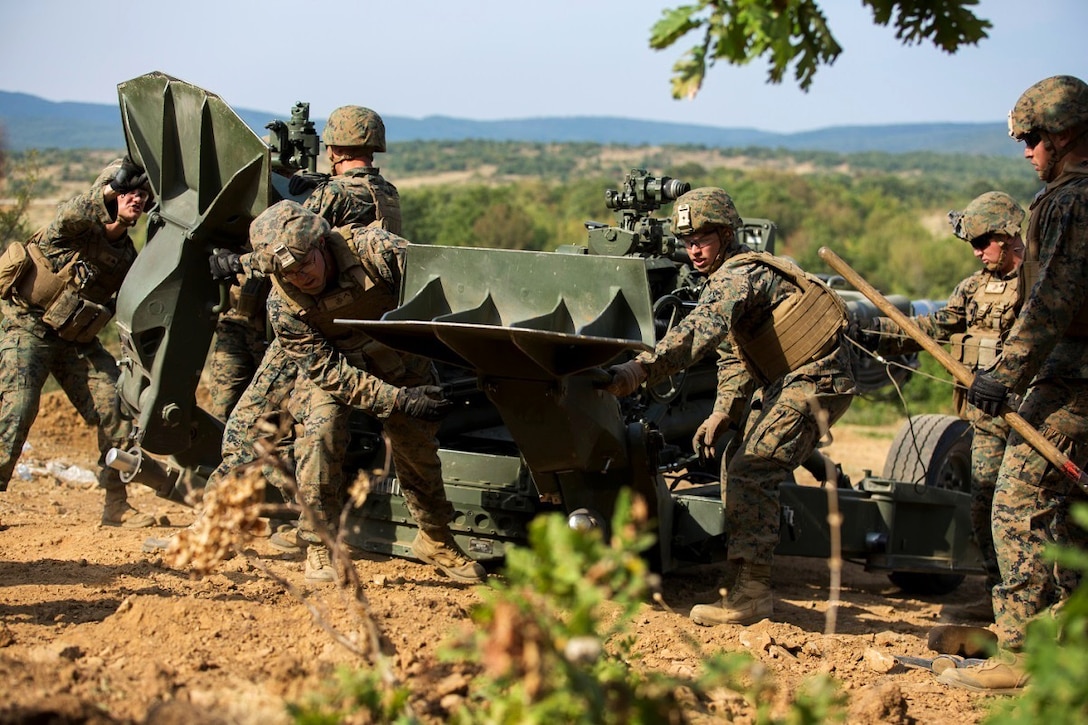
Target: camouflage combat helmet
703	209
107	174
355	126
992	212
1052	105
284	234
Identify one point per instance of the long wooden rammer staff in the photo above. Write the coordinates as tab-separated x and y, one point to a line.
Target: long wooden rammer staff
959	370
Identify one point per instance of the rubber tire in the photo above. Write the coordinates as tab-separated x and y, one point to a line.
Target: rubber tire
919	583
931	450
934	450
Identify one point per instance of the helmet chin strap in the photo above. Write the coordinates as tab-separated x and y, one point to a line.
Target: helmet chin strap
999	263
726	245
1053	156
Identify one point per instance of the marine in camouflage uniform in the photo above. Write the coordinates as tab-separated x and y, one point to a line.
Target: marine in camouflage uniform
318	276
980	312
356	194
1045	357
740	317
240	341
53	310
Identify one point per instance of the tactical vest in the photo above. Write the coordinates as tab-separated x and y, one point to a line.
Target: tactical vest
802	328
991	312
77	299
1030	269
386	204
356	297
249	297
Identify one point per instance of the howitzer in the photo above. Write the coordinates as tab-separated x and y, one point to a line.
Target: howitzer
520	339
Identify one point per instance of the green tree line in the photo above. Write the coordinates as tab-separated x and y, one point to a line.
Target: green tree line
885	214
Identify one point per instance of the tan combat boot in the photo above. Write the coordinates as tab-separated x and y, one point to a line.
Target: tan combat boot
749	600
440	550
1002	674
319	564
118	512
285	538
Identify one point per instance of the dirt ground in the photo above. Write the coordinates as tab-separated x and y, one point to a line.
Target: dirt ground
94	630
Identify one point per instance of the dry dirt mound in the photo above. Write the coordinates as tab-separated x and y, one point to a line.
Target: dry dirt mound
94	630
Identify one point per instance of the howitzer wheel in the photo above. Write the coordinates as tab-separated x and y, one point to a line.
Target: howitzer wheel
931	450
934	450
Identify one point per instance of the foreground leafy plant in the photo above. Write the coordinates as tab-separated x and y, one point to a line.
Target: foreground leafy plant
552	645
552	642
357	696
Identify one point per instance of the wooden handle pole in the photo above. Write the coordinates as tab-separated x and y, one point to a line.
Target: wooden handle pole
959	371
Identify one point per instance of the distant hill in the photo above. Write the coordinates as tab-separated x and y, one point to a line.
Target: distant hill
32	122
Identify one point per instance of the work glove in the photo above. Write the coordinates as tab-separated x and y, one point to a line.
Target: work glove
625	378
708	432
425	402
303	181
865	334
129	177
225	265
987	394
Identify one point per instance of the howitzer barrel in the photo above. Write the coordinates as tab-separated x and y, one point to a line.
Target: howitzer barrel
134	465
958	369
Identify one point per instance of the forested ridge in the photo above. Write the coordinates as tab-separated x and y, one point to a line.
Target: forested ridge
884	213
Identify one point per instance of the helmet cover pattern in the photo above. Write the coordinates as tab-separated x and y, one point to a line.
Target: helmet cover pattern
284	234
702	209
355	126
989	213
1053	105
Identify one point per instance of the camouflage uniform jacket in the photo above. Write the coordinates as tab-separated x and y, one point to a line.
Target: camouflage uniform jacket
1038	345
348	199
341	359
79	229
737	298
967	309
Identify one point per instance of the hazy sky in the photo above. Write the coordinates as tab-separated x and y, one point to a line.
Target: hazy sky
511	59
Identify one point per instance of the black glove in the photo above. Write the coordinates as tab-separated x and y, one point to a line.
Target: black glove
987	394
424	402
225	265
303	181
865	334
128	178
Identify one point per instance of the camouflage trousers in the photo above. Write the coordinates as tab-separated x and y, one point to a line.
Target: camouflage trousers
262	402
237	349
1031	509
780	433
317	433
987	450
87	374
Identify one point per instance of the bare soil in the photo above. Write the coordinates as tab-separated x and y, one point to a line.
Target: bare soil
94	630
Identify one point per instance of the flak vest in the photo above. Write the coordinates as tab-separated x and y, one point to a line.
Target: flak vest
991	312
802	328
1030	269
356	297
76	300
386	205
